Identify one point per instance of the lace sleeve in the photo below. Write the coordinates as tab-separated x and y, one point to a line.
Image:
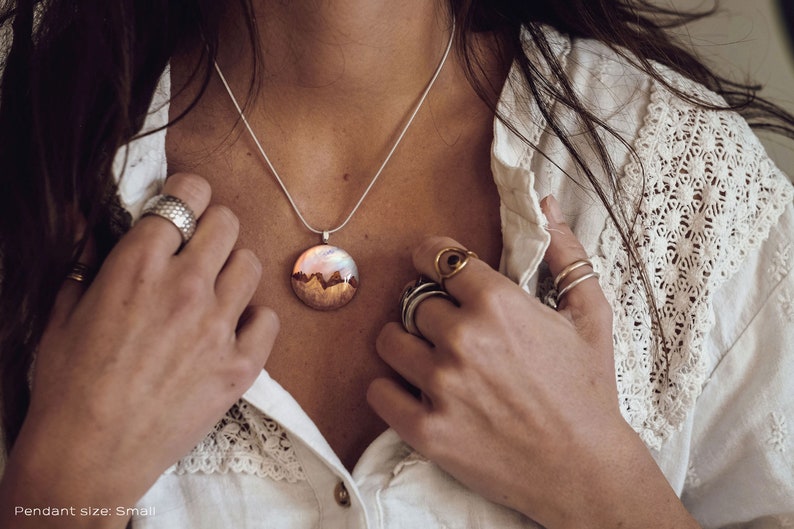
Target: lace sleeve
709	196
741	465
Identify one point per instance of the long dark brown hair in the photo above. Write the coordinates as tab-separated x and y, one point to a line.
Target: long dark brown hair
78	78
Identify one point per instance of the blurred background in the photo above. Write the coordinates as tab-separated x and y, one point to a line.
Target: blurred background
751	37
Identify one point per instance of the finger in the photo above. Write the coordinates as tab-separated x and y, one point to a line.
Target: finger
73	288
256	334
214	239
161	233
565	249
238	281
434	317
408	355
466	285
401	410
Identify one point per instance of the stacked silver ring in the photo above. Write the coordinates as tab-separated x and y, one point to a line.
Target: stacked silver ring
413	295
555	295
175	211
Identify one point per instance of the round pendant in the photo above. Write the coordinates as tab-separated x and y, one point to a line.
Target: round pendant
325	277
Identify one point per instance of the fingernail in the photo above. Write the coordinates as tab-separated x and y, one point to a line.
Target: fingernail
553	210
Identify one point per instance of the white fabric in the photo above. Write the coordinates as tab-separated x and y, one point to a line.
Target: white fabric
716	230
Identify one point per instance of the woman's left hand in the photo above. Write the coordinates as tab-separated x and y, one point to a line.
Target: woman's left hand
519	401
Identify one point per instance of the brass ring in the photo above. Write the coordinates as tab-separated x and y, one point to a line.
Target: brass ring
456	262
82	273
575	282
570	268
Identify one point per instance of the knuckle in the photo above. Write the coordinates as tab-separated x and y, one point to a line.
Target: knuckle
147	259
568	237
251	260
190	187
269	315
243	370
566	248
221	330
135	260
192	287
489	300
442	381
274	322
384	342
426	435
457	336
265	316
224	216
424	247
132	244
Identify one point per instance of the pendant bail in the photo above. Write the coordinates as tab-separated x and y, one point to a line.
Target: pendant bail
326	235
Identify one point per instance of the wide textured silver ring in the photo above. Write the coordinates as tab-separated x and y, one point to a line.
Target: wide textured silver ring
413	296
175	211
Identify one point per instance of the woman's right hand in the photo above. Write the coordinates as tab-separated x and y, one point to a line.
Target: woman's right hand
133	371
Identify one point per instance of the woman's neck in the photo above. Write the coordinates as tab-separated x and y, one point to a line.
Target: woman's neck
359	48
339	78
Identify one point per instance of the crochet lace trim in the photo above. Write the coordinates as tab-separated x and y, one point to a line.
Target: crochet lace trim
245	441
709	195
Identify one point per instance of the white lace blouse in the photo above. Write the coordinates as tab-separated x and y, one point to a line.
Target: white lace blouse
716	227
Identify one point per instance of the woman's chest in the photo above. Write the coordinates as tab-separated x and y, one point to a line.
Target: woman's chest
326	359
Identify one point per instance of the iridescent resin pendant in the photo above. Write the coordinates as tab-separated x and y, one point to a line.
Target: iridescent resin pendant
325	277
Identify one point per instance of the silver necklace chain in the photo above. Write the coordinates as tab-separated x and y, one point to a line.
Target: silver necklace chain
326	233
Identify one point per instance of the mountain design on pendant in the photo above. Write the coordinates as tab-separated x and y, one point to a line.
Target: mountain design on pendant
325	277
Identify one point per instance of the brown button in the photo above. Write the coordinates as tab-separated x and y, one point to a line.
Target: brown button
341	495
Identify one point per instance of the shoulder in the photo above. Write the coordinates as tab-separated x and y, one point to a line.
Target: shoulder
699	194
689	155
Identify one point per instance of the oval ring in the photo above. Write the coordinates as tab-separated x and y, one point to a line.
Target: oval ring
174	210
413	296
455	262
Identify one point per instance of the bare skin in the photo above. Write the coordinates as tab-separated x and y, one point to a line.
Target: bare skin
327	136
